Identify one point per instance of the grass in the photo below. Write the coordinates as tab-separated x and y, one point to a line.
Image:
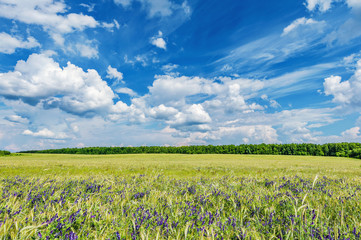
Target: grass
177	165
163	196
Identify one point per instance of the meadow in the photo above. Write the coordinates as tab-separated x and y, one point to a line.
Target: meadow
163	196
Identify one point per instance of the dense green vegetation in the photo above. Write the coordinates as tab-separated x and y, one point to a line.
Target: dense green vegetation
178	196
156	207
330	149
4	153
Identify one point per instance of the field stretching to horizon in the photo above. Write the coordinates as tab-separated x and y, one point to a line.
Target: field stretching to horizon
175	196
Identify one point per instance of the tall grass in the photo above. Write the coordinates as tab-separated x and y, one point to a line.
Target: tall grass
234	198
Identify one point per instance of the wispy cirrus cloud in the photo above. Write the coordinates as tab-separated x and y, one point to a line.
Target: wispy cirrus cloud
154	8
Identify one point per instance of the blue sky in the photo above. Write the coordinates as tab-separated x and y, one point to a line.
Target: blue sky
178	72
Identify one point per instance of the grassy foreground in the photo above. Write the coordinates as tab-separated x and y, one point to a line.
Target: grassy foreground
179	197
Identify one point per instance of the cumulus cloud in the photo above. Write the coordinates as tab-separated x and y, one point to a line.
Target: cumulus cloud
45	133
113	73
127	91
188	103
351	133
341	91
225	95
158	41
192	115
257	133
163	112
321	5
346	93
8	43
173	90
41	79
351	60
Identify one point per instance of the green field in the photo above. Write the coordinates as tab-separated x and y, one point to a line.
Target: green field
177	165
160	196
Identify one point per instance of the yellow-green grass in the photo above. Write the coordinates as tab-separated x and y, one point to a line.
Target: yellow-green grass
177	165
160	196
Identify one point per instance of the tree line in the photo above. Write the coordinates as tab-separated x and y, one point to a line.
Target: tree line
3	153
330	149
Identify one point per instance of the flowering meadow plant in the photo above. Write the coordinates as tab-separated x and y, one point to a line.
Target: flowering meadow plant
161	207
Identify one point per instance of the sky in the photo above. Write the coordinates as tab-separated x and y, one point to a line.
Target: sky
178	72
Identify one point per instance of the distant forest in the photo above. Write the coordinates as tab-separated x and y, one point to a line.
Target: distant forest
3	153
330	149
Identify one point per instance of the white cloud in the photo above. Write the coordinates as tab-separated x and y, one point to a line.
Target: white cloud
86	50
351	60
356	4
324	5
111	25
41	79
349	30
113	73
187	9
346	93
45	133
256	133
154	8
108	25
298	80
127	91
158	41
163	112
159	7
142	59
351	133
341	91
228	95
173	90
169	67
301	22
8	43
321	5
116	24
49	14
226	68
124	3
192	115
257	56
187	110
16	119
89	7
274	104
